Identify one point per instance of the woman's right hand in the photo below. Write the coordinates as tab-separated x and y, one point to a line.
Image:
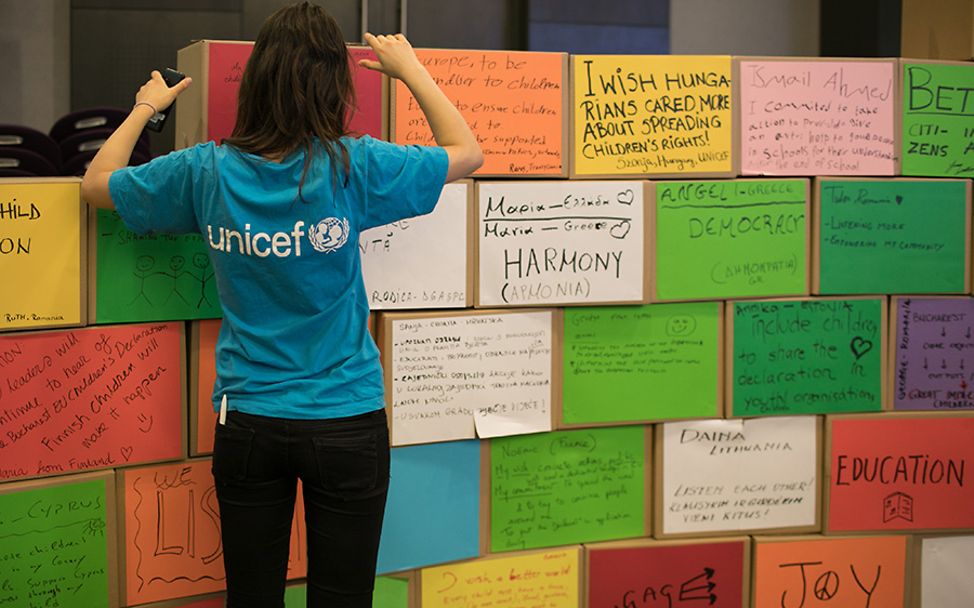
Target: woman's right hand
395	55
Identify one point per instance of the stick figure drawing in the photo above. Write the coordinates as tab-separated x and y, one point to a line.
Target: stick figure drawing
202	262
143	264
176	264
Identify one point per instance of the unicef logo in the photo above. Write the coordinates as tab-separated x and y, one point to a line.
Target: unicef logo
329	234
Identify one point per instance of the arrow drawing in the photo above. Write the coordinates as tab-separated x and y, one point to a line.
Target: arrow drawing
702	591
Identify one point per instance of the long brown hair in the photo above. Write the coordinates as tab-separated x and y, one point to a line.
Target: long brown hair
297	86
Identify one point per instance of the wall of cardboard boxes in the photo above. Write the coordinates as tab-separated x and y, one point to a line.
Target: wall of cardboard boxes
697	333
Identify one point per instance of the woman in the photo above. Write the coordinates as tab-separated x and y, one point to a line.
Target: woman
280	205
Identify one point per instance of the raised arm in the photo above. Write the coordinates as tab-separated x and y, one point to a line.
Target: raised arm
397	59
115	153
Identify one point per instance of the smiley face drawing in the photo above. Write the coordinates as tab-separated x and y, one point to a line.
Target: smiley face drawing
200	260
144	264
681	325
329	234
176	264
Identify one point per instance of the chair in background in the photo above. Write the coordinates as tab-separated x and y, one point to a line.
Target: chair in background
26	161
85	131
15	173
83	120
91	140
24	138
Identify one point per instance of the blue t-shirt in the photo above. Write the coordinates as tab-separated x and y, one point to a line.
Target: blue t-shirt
294	342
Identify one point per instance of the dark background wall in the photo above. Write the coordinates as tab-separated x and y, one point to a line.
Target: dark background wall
617	27
863	28
116	43
34	68
70	54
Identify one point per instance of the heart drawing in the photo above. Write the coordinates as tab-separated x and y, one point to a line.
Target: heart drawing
127	452
620	230
626	197
860	346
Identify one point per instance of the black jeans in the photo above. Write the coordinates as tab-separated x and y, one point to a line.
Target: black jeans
343	465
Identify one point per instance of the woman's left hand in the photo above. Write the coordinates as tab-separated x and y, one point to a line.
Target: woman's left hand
159	95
